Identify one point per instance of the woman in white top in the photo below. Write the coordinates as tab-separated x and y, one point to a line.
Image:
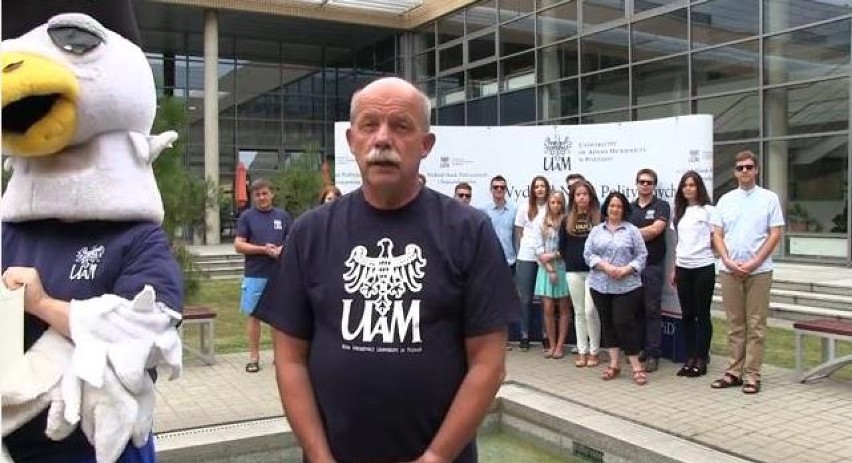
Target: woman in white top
694	274
526	264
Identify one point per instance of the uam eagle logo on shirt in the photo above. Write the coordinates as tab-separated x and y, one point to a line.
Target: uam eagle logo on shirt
86	263
382	281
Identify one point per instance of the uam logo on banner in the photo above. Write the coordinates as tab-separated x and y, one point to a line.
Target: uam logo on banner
608	155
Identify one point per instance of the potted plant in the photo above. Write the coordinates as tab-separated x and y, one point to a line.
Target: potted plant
797	218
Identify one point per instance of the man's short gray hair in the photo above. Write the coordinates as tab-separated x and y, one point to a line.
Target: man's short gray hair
424	99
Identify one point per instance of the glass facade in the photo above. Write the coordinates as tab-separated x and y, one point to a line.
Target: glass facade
775	74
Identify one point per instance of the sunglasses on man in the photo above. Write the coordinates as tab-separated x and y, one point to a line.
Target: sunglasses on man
462	195
498	187
742	167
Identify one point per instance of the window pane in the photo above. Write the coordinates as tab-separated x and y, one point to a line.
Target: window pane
734	116
482	111
660	81
616	116
511	9
424	65
482	81
720	21
601	11
815	171
660	36
451	27
809	108
725	69
784	14
451	115
558	61
258	132
427	87
450	57
607	90
517	36
518	71
723	166
558	99
481	47
481	16
604	50
266	106
451	89
557	23
645	5
517	107
424	37
663	110
805	53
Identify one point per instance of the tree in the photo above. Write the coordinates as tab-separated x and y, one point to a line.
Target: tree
299	182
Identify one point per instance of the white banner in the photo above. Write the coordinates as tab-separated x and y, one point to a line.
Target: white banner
608	155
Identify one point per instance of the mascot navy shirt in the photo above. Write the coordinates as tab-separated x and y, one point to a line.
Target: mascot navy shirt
386	299
82	260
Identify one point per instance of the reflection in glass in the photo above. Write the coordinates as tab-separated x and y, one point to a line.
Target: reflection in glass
557	61
449	58
604	50
451	89
659	111
517	36
605	91
645	5
258	132
451	115
481	47
819	51
482	111
601	11
424	65
428	87
559	99
424	37
267	105
557	23
734	116
451	27
785	14
659	81
517	107
481	16
815	171
511	9
723	166
517	71
726	69
660	36
809	108
720	21
605	118
482	81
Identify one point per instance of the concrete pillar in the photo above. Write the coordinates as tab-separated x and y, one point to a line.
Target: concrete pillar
775	109
211	124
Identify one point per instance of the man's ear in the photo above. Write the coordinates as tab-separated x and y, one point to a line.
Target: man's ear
349	138
428	144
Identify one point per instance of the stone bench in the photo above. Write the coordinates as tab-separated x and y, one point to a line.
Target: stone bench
830	331
205	318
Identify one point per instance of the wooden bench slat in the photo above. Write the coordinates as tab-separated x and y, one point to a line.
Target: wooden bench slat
839	327
198	313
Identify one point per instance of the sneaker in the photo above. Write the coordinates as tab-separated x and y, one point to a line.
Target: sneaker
574	350
652	364
524	344
643	356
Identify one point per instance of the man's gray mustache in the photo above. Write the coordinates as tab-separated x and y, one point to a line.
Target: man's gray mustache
383	156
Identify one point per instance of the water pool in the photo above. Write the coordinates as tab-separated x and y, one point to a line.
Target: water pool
499	447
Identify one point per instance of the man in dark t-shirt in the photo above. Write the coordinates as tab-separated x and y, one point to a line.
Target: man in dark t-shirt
651	215
261	232
390	305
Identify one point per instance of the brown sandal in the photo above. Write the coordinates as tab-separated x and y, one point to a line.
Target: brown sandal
580	362
610	373
593	360
726	381
640	378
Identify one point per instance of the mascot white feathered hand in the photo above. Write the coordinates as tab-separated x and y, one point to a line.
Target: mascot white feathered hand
81	231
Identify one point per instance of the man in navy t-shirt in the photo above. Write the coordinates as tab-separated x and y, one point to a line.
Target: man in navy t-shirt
390	305
261	231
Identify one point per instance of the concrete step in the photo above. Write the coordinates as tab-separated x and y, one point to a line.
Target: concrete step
221	265
804	286
807	297
794	312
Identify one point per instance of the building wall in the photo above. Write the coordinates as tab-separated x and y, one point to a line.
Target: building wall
773	73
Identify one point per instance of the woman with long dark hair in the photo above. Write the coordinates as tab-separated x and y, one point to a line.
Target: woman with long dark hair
526	264
583	214
694	273
616	253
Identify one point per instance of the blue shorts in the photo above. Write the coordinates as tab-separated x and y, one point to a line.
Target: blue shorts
251	290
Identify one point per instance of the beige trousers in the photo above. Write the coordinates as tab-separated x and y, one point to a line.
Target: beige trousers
746	301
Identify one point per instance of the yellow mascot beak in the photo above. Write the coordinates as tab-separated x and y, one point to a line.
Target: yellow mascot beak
39	105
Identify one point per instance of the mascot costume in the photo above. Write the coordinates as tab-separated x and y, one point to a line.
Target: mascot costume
81	233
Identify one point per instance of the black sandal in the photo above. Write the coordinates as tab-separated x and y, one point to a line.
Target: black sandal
726	381
751	387
253	367
687	368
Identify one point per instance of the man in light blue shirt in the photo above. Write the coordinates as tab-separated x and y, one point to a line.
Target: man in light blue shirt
747	227
502	215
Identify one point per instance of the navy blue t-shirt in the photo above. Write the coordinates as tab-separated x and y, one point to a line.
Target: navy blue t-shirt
386	299
642	217
82	260
261	228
